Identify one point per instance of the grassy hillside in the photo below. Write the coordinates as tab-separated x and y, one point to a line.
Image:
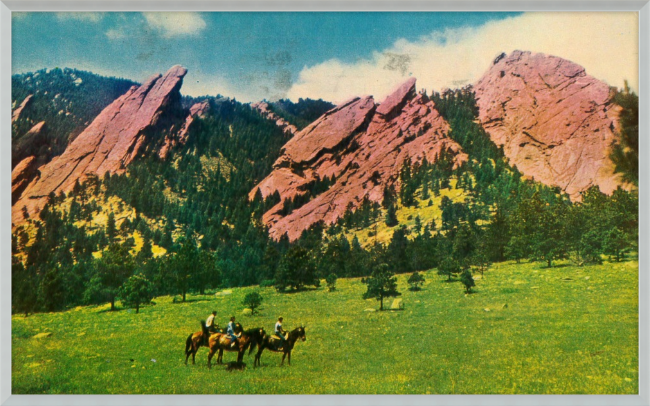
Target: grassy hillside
380	232
527	329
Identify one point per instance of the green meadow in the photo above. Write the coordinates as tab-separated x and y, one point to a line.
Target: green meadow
527	329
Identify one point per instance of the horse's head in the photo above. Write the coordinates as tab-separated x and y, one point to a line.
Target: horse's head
301	333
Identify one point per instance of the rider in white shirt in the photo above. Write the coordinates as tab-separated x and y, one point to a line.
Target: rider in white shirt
209	323
279	331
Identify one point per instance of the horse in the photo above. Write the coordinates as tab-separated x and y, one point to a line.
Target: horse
248	339
196	341
275	344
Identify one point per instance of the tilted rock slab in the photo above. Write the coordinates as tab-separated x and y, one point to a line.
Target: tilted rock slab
15	115
22	173
108	144
197	110
286	127
364	146
555	122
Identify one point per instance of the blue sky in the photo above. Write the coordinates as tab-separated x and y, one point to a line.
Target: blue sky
252	56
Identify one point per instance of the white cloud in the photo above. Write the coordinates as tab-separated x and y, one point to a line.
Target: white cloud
175	24
80	16
198	83
115	34
606	44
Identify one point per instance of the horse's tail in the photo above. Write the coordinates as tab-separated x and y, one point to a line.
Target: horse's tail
188	344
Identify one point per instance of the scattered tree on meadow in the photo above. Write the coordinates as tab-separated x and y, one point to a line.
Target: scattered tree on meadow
135	291
252	300
448	267
415	281
381	284
467	280
331	282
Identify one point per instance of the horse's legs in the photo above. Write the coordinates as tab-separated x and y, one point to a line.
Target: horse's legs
284	354
194	351
240	356
257	356
220	357
289	357
210	355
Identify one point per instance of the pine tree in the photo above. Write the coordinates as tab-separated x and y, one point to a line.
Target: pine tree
381	284
391	216
415	281
136	290
467	280
252	300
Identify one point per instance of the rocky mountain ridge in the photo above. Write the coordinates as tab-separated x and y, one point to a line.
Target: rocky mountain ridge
556	123
362	146
109	143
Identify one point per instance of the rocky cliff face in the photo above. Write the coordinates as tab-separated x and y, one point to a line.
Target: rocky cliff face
555	122
363	145
109	143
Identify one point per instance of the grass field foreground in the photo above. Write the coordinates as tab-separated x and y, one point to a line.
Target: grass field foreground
527	329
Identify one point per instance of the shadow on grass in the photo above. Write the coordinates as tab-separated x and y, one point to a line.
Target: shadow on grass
192	300
298	290
117	309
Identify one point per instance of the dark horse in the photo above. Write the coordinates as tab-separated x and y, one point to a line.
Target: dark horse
248	339
275	344
198	340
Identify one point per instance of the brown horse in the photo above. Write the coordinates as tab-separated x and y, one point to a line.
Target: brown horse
248	339
274	344
196	341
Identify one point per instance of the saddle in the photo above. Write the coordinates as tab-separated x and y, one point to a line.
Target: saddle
277	342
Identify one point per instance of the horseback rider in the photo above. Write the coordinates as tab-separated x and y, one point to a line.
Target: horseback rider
209	323
280	332
231	332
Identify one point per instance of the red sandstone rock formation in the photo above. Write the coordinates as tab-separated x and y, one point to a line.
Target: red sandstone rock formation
20	177
197	110
364	146
15	115
263	107
555	122
108	144
28	144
